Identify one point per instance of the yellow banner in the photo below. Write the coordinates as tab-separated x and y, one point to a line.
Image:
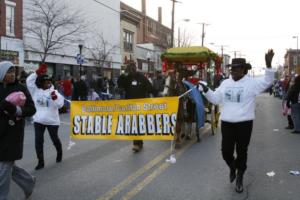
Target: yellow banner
134	119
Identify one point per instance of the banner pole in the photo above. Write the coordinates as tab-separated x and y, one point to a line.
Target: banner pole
187	92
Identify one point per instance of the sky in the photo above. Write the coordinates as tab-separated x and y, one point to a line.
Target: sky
247	27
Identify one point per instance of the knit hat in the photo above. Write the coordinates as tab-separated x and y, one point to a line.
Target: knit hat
4	67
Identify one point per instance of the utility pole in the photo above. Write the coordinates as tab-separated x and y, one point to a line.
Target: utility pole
296	37
173	16
203	33
178	37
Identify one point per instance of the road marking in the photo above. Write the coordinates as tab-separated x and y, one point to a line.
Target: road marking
159	170
134	176
121	186
67	123
154	174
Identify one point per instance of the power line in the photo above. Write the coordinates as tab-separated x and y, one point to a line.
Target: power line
106	6
119	12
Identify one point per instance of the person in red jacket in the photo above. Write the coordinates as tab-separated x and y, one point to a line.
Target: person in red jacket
67	89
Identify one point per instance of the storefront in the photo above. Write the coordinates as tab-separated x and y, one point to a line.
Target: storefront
12	56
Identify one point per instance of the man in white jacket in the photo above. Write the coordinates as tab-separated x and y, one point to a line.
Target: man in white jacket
47	101
236	97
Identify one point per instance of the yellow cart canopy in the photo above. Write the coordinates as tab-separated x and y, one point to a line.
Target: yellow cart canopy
194	54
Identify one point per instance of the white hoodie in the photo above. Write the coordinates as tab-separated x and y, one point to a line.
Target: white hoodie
46	108
237	98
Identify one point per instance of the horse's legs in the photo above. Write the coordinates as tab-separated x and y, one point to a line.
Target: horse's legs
189	130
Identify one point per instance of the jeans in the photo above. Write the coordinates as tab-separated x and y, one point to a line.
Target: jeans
21	177
236	136
295	113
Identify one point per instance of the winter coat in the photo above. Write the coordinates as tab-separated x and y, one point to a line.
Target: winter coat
137	86
46	108
12	136
292	96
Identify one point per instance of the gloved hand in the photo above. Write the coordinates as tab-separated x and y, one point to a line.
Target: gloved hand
53	96
8	107
41	70
269	57
202	87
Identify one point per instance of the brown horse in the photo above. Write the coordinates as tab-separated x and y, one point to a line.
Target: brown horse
175	87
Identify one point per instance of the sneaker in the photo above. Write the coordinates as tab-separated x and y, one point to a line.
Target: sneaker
239	182
295	132
28	194
289	127
40	165
59	157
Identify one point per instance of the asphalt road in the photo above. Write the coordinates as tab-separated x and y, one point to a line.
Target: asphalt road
96	170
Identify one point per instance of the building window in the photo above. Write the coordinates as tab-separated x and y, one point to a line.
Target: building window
150	26
295	61
67	71
128	41
10	18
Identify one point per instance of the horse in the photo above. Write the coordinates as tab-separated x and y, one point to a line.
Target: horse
186	109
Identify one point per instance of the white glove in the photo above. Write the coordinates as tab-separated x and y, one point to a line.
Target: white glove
202	86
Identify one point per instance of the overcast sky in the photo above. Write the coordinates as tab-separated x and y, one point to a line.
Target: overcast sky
249	27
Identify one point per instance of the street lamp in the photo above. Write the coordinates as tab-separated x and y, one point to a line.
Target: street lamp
296	37
80	45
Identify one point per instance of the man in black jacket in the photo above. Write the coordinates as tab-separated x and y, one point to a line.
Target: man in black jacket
12	132
136	86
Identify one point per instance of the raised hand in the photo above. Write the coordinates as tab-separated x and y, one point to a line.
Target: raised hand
269	57
41	70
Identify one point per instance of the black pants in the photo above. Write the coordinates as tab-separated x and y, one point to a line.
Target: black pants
236	136
39	138
290	121
138	142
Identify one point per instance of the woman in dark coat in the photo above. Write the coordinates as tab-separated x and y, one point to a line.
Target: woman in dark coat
293	102
12	132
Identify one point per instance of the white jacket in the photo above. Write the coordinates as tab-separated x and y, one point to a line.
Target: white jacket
46	108
237	98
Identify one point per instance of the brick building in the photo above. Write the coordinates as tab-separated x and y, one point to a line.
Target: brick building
292	61
11	31
151	34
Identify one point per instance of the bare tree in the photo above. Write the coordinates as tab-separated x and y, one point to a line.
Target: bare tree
53	25
101	50
184	39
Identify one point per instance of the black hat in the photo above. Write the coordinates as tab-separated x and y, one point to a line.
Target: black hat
239	62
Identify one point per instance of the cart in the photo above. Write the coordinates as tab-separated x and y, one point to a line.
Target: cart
208	65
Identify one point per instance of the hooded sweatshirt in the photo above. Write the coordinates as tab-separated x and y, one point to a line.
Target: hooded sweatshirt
237	98
46	108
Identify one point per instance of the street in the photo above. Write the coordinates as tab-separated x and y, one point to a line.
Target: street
97	170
